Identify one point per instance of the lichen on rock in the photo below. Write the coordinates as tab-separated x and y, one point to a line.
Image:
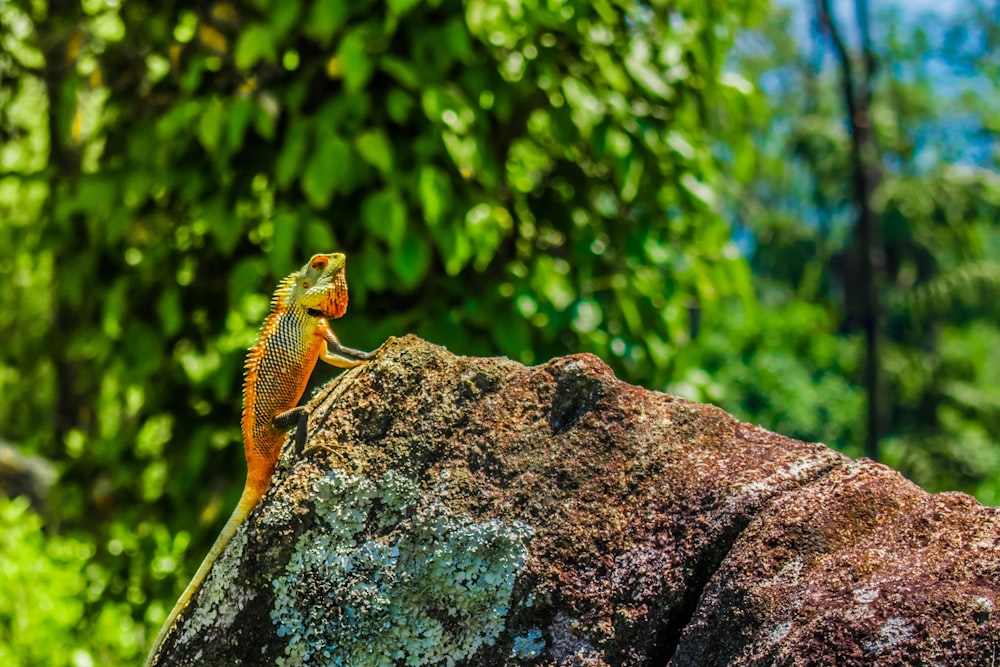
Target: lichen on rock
222	596
388	577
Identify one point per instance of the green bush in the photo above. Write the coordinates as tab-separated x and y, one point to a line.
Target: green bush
53	609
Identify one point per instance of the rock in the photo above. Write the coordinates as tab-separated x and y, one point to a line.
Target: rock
26	475
468	511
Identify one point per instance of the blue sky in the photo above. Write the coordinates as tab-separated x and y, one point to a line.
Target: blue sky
844	9
954	137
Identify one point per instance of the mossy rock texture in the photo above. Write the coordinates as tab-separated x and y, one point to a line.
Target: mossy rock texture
473	511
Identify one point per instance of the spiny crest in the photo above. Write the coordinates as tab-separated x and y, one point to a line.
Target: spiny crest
279	301
280	297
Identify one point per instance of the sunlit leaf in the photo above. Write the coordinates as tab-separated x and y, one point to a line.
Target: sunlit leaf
240	113
169	310
410	260
325	19
326	170
279	255
256	43
374	147
435	194
384	215
292	154
210	125
402	71
400	7
355	63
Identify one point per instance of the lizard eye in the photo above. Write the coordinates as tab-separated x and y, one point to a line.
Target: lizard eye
306	284
320	263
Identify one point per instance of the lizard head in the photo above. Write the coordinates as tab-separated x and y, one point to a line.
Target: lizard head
321	286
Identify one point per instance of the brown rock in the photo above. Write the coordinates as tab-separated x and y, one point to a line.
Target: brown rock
469	511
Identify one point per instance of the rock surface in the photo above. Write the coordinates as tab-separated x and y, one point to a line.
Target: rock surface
468	511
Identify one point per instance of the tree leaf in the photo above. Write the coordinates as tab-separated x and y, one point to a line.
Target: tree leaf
384	215
410	260
240	113
292	153
318	236
375	149
435	194
168	308
210	125
279	254
355	64
325	19
282	18
224	227
256	43
404	72
400	7
398	104
326	171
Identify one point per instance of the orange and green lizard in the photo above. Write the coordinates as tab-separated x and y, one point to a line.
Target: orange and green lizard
293	337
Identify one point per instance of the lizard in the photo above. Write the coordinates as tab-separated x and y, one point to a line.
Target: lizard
293	337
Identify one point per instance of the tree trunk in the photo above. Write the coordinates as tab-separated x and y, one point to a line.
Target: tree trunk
866	176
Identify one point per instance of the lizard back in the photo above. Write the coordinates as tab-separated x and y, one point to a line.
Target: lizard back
277	371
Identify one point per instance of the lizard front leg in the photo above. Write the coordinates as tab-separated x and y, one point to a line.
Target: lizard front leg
339	355
334	354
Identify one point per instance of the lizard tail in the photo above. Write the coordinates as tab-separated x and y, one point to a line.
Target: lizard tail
251	496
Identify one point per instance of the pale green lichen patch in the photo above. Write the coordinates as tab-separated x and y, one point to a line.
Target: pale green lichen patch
528	645
220	598
393	579
895	631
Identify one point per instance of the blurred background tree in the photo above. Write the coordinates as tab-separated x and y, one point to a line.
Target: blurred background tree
668	186
927	268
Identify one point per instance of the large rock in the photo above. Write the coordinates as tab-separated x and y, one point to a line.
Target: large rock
467	511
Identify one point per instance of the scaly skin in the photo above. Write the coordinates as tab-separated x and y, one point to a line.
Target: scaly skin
293	337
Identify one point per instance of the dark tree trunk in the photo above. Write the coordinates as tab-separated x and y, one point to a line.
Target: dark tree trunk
866	176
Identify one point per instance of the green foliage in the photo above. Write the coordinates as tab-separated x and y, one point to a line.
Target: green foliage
49	589
527	179
937	208
790	372
956	391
